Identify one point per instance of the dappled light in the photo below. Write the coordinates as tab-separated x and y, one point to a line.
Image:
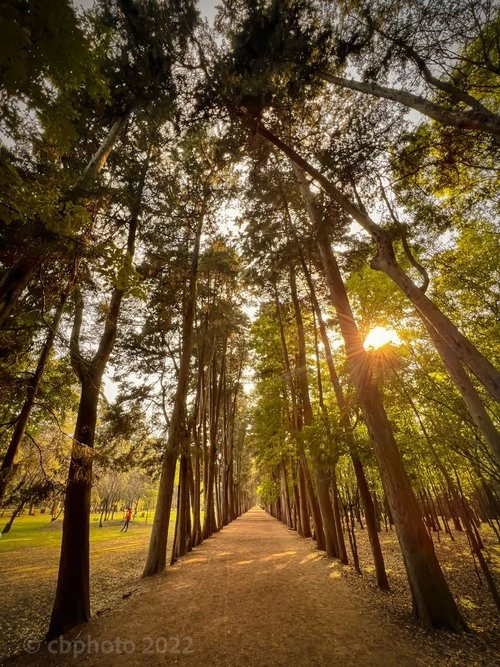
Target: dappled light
283	554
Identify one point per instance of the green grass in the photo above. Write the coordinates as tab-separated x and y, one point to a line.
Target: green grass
40	532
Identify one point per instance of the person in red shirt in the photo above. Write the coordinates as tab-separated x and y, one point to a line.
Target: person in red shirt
128	516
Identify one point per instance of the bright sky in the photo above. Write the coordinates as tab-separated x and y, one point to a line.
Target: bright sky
207	7
380	336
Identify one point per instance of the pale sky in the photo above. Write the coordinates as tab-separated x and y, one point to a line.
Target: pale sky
207	7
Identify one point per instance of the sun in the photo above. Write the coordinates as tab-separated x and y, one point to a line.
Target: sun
380	336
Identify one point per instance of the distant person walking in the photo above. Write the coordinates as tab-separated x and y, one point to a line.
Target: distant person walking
128	516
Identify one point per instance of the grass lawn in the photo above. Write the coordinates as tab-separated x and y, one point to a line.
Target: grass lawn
40	532
29	560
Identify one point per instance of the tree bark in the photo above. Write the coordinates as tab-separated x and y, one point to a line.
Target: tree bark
32	391
474	119
157	553
307	414
433	603
72	600
366	499
386	262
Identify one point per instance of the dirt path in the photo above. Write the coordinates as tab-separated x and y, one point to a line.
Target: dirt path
255	594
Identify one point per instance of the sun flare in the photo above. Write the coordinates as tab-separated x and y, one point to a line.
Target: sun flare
380	336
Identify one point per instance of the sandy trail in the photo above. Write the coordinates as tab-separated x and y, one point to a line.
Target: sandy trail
255	594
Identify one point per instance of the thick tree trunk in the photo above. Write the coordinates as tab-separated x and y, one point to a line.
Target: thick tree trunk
72	601
434	605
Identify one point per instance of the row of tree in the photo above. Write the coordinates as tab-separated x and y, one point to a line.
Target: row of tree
121	165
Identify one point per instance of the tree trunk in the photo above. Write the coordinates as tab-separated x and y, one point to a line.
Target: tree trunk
302	507
32	391
209	522
482	120
157	553
303	385
371	523
72	601
385	261
322	485
9	523
366	499
338	520
98	160
434	605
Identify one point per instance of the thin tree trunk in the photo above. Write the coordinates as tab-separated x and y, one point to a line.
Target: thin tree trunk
338	520
210	522
14	514
157	553
366	499
303	384
475	545
32	390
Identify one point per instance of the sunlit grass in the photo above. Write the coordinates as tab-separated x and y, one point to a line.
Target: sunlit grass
40	532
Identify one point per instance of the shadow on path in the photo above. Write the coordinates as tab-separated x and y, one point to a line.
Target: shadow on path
255	594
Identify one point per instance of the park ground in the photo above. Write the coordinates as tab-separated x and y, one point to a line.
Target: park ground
254	594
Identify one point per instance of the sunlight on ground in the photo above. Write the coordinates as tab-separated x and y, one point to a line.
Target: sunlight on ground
194	561
280	555
380	336
467	603
309	558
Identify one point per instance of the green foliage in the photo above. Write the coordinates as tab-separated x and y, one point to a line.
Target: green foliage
45	59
